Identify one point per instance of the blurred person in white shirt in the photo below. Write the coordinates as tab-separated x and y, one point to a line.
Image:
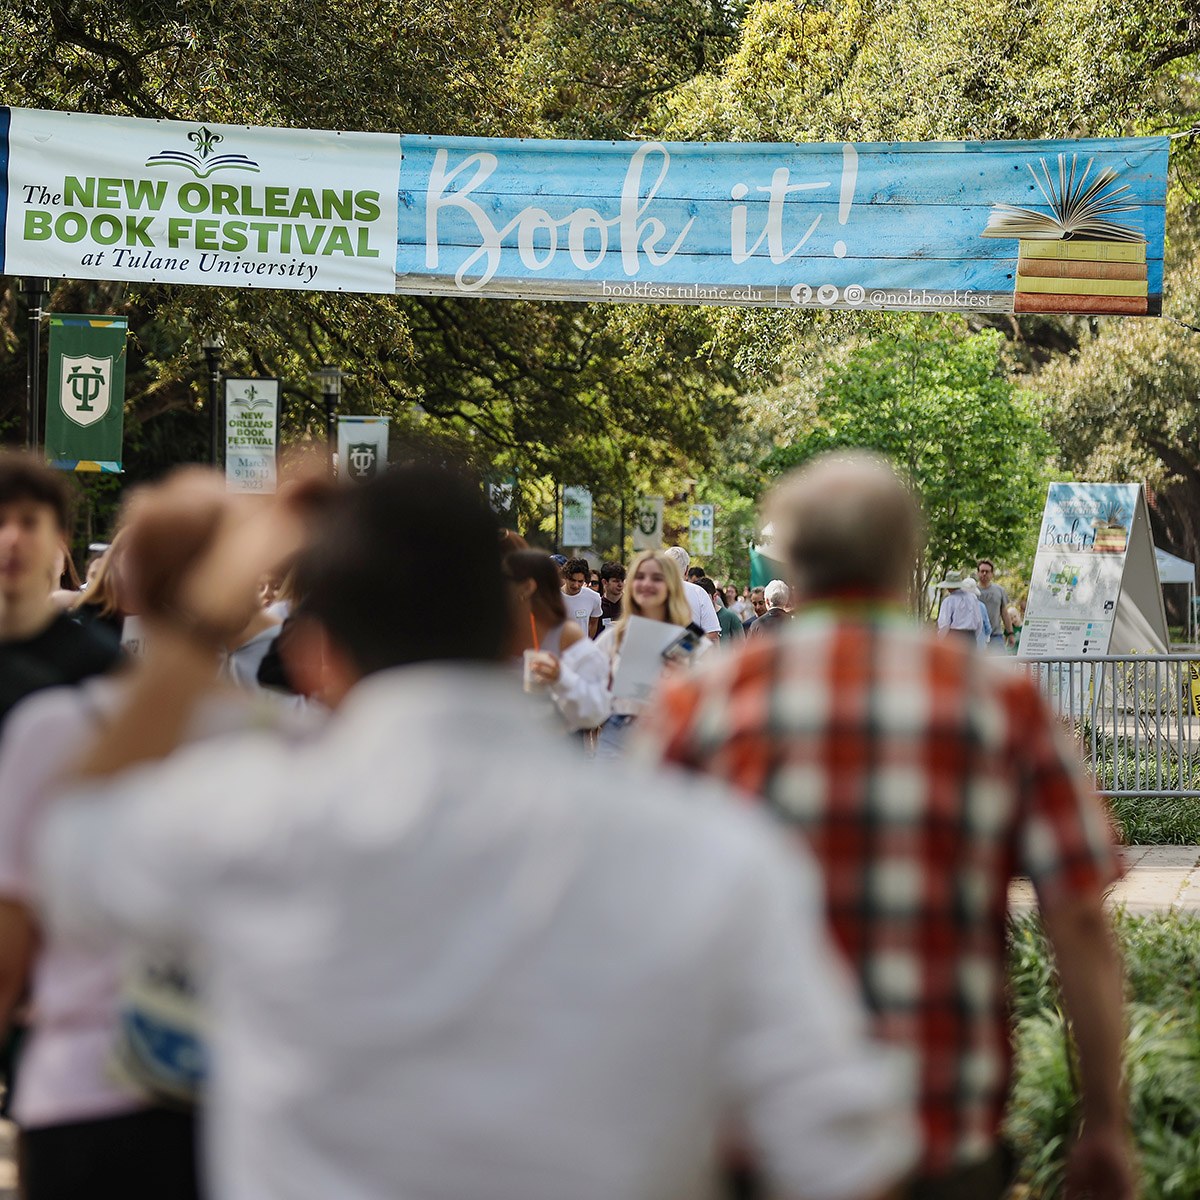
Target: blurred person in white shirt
434	971
704	616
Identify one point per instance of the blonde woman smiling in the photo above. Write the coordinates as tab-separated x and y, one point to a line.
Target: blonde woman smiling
654	590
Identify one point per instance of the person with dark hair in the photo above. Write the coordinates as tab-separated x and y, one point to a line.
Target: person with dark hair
511	541
444	959
758	607
583	605
924	777
995	600
84	1131
98	606
561	661
731	627
40	646
612	589
778	598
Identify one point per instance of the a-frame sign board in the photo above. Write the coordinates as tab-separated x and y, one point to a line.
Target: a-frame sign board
1095	587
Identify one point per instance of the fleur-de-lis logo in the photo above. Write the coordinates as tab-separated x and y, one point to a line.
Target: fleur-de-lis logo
204	140
252	398
204	162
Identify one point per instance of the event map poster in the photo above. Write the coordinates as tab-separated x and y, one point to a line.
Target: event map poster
1086	532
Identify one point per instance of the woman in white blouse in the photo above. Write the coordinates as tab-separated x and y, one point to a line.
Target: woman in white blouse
654	590
563	663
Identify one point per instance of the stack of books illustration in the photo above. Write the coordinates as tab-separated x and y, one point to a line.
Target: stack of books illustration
1074	259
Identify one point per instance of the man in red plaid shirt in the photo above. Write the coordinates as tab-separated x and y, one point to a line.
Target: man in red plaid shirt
925	776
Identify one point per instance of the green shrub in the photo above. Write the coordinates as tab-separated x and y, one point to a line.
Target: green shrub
1156	820
1162	966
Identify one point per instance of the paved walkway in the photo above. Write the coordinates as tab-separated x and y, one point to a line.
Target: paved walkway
1158	879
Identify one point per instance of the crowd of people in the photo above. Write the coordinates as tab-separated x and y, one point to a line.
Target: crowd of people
610	884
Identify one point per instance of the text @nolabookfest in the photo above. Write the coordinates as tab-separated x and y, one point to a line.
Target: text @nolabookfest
804	296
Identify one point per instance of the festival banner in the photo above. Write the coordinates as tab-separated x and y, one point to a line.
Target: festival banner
648	523
362	447
1035	226
251	434
577	517
1032	226
701	532
93	197
85	392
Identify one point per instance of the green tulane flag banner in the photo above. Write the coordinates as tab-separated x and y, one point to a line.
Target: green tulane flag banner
85	392
362	447
1035	226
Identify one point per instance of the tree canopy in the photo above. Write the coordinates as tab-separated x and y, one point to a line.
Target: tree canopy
625	399
936	401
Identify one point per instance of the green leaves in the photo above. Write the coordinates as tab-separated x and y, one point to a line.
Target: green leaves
932	396
1162	1053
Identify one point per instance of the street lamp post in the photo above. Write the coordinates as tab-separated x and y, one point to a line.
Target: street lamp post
36	291
212	345
330	379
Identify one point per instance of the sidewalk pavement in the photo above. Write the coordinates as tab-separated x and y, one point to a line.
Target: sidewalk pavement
1158	879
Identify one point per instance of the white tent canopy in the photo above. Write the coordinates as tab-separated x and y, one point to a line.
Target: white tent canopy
1173	569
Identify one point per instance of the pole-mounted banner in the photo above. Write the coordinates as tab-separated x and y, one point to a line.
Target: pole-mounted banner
701	533
251	434
648	523
577	517
362	444
85	392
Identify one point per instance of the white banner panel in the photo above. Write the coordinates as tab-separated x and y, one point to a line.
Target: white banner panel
93	197
577	517
701	532
251	434
648	523
362	447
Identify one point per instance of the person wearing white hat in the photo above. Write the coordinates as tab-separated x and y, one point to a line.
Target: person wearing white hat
959	610
985	631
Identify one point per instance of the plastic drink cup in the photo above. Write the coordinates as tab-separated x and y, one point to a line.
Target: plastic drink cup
532	682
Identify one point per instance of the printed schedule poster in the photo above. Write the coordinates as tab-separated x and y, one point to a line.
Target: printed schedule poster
1077	573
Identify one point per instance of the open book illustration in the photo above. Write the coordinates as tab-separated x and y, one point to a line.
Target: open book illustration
1074	259
1078	209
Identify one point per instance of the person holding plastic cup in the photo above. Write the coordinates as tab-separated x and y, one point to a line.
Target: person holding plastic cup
557	658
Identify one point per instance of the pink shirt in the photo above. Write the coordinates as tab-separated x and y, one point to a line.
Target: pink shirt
63	1070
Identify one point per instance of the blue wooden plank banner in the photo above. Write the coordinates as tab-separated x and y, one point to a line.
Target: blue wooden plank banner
965	226
1050	226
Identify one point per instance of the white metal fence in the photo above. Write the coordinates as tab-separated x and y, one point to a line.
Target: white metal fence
1137	719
